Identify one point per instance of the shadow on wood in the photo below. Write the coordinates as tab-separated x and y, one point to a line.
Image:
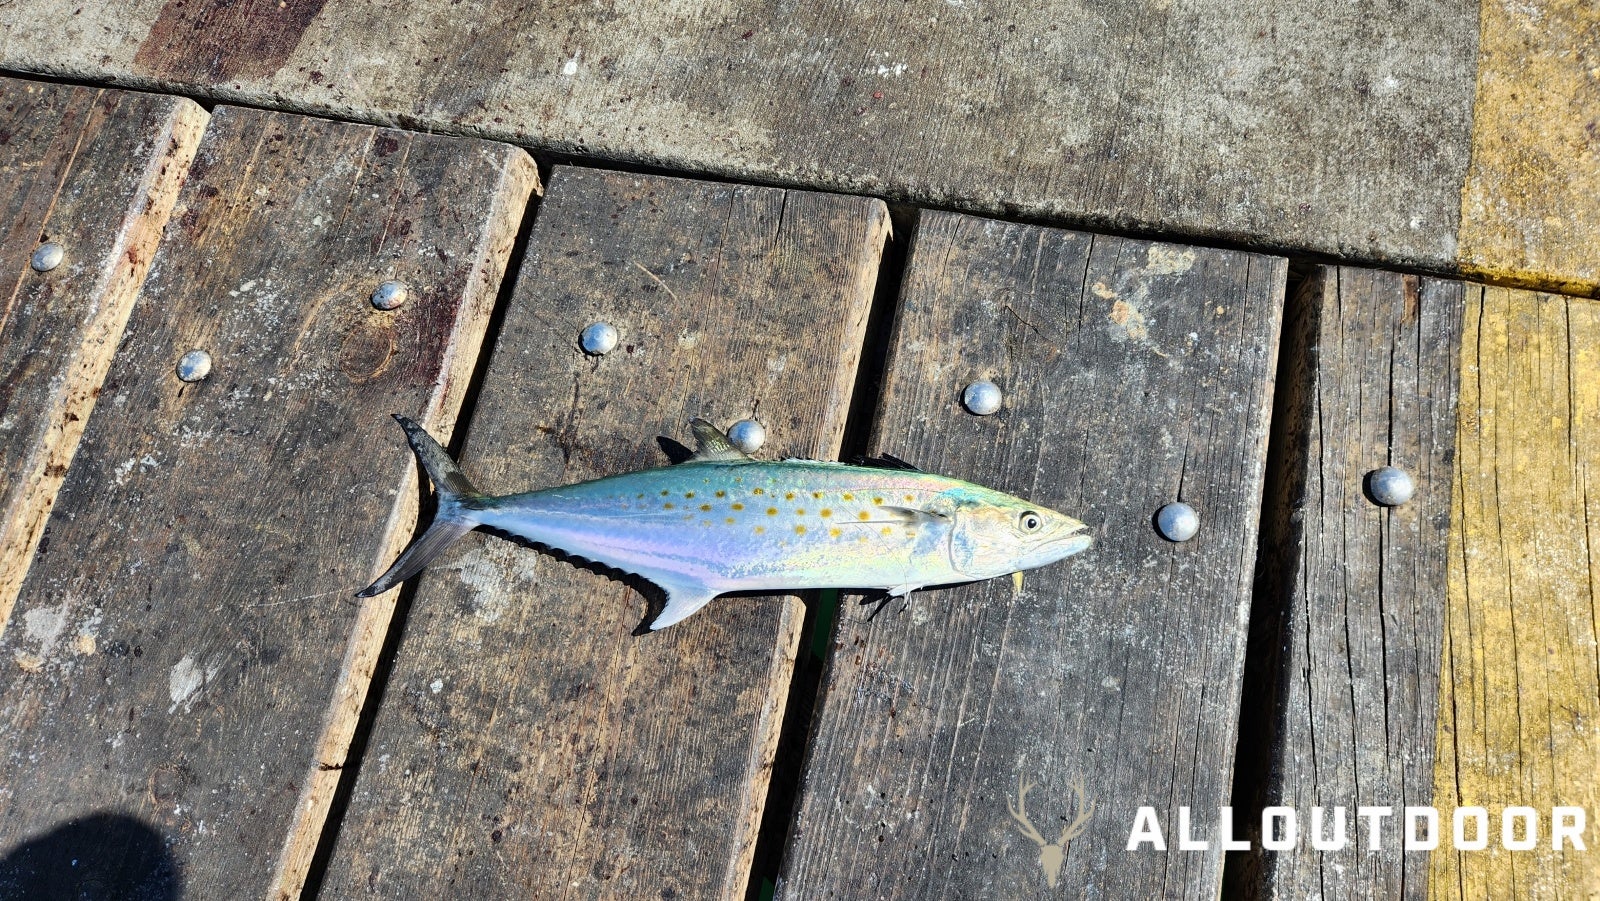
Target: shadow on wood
99	857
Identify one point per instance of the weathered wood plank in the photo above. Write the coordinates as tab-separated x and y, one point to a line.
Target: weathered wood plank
186	651
97	172
1180	117
1520	682
1530	205
1350	602
527	743
1135	374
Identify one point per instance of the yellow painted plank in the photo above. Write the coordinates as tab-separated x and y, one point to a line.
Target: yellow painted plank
1530	205
1520	683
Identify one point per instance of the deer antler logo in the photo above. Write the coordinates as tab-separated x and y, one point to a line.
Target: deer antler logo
1050	856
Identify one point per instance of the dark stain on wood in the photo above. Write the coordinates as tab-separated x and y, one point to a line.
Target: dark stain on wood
221	41
1134	374
1346	633
187	651
527	738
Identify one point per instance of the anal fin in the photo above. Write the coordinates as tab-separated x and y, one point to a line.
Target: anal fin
683	599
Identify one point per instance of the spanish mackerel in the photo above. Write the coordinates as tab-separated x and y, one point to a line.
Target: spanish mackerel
723	521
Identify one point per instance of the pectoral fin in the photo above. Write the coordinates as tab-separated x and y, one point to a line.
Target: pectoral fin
909	515
712	444
683	599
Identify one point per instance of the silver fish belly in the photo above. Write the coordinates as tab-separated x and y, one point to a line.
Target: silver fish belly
724	522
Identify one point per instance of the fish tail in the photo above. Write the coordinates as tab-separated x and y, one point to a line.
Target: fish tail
459	505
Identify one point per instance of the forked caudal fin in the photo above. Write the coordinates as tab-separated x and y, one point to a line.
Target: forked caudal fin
458	508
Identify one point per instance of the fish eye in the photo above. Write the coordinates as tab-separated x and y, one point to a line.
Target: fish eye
1030	522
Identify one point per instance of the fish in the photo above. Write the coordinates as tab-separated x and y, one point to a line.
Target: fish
723	521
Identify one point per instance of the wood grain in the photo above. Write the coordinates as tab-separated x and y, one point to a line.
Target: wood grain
1520	682
1135	374
96	171
528	743
1350	601
1186	118
186	649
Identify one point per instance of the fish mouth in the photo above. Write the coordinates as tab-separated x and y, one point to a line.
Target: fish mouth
1076	540
1072	540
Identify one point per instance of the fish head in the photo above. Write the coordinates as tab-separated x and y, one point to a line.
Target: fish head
993	534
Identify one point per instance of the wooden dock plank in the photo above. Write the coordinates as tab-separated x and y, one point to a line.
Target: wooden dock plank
1189	118
1350	604
1520	681
1530	205
528	744
97	172
1135	374
186	650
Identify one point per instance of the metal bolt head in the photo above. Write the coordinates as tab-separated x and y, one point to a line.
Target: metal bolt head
748	435
1177	522
981	397
47	256
195	365
390	295
599	338
1390	486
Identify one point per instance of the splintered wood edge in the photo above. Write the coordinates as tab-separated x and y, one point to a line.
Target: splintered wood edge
121	278
769	726
519	179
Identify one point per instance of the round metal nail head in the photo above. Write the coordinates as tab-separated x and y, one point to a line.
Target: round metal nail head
748	435
599	338
981	398
390	295
47	257
1177	522
195	365
1390	486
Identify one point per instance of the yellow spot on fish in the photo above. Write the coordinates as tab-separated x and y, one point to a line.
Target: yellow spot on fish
705	507
789	496
799	530
800	511
641	495
911	497
738	506
730	520
834	532
721	493
772	511
665	492
760	529
667	505
848	496
886	531
817	495
863	516
877	500
688	494
757	491
826	513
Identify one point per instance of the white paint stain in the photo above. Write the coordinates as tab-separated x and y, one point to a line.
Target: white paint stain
45	626
185	682
571	68
436	686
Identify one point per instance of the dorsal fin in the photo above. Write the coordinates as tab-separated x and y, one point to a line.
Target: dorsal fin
887	461
712	444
